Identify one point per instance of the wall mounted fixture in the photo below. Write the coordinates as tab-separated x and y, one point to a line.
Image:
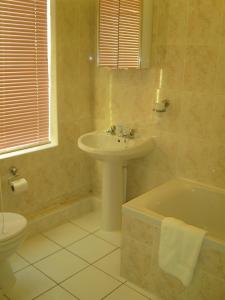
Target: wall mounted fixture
161	106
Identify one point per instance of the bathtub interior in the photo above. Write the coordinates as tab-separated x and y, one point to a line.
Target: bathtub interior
194	203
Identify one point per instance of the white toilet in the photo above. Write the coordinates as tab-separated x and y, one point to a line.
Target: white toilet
12	233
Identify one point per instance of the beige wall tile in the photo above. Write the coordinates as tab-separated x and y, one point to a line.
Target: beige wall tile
138	230
135	261
223	25
217	123
217	164
200	68
220	71
206	287
192	159
196	114
212	261
204	22
172	26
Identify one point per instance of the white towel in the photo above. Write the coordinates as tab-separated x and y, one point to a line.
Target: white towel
179	248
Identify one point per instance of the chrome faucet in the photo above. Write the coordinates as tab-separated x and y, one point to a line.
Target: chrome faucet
125	132
129	133
111	130
121	131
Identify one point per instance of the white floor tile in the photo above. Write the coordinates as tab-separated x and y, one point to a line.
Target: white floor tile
17	262
138	289
65	234
56	293
91	248
61	265
90	284
111	265
125	292
30	283
90	221
37	248
113	237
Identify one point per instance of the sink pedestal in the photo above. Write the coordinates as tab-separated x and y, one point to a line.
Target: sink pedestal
113	194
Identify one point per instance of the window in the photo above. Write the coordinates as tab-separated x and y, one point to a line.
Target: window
25	75
124	33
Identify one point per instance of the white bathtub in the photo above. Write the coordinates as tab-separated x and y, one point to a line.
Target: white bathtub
194	203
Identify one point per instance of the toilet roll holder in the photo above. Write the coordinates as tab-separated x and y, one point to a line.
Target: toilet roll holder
16	183
13	171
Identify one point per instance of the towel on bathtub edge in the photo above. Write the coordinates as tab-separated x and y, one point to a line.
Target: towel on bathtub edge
179	248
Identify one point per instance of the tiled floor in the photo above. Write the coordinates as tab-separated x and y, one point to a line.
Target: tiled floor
76	260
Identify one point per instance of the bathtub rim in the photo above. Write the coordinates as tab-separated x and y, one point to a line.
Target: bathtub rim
134	208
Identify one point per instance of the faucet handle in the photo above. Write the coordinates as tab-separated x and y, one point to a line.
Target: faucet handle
111	130
132	133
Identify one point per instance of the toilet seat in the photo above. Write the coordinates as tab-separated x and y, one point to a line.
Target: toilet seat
14	224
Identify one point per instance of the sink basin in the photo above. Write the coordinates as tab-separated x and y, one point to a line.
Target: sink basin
107	147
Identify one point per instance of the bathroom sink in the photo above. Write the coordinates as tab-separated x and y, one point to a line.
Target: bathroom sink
114	152
106	147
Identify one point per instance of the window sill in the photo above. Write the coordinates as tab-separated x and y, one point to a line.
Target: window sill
28	150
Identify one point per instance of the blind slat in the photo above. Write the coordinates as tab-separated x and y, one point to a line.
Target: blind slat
130	34
24	74
108	32
120	33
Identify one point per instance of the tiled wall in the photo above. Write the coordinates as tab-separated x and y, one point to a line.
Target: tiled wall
188	50
139	264
61	172
189	47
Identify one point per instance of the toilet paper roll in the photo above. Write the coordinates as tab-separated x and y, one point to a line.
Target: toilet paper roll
19	185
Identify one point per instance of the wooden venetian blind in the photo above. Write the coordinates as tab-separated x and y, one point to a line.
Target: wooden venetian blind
129	34
120	29
108	33
24	79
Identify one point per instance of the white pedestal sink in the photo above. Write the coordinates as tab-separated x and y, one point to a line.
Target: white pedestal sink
114	152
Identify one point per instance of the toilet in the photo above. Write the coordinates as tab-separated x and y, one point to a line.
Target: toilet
12	233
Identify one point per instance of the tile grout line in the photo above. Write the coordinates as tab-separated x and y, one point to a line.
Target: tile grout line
39	260
140	293
104	297
114	244
74	223
94	233
42	293
105	255
36	297
69	243
89	264
66	248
